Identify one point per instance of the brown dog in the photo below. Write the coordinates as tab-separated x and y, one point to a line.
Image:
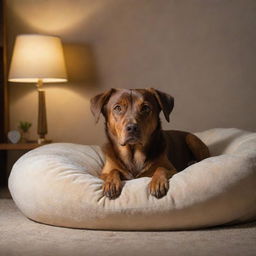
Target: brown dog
138	146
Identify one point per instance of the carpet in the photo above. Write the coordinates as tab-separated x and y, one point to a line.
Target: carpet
21	236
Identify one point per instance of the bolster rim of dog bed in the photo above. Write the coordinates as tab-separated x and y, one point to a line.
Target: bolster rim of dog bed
58	184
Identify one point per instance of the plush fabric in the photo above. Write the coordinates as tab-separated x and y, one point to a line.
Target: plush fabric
58	184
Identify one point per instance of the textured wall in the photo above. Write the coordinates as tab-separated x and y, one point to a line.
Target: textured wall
200	51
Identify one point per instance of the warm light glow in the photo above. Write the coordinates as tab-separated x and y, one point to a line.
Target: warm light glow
57	16
37	57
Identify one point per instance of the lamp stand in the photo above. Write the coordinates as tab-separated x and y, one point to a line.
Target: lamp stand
42	121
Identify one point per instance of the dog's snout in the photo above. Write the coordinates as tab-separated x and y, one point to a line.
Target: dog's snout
132	128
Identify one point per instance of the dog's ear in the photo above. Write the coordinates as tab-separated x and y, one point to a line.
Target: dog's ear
165	101
98	102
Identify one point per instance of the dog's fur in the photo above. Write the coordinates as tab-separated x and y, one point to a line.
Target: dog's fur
138	146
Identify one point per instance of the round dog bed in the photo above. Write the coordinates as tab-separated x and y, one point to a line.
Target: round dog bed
58	184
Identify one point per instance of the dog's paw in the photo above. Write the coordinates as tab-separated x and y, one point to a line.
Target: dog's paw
112	188
158	186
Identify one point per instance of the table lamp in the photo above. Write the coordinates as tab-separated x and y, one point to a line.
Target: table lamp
38	59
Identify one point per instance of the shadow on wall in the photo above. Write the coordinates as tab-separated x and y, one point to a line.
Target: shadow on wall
81	64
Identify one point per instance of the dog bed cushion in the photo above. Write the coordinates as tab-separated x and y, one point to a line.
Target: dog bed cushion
58	184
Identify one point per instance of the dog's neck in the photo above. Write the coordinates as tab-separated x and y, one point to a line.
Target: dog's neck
134	158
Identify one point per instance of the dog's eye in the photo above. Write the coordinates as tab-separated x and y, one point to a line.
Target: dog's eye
117	108
145	108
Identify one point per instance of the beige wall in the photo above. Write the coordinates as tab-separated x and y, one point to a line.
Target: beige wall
200	51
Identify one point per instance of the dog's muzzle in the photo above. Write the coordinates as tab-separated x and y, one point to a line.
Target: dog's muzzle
132	134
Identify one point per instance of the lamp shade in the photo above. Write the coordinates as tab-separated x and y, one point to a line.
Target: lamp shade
37	57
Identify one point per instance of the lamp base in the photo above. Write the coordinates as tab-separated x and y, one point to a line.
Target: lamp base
42	121
42	141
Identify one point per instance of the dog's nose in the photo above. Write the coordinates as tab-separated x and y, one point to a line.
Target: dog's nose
132	128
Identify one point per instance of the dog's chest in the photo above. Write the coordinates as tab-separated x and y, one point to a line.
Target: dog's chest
134	161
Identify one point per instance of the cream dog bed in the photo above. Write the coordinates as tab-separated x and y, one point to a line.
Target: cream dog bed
58	184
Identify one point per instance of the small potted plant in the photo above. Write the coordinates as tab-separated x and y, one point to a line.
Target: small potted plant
24	128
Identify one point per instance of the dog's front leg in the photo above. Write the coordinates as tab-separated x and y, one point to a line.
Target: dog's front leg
112	185
159	183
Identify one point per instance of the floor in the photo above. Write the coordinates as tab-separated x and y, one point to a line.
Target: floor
21	236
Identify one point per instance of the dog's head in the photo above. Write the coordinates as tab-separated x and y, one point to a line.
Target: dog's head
131	115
